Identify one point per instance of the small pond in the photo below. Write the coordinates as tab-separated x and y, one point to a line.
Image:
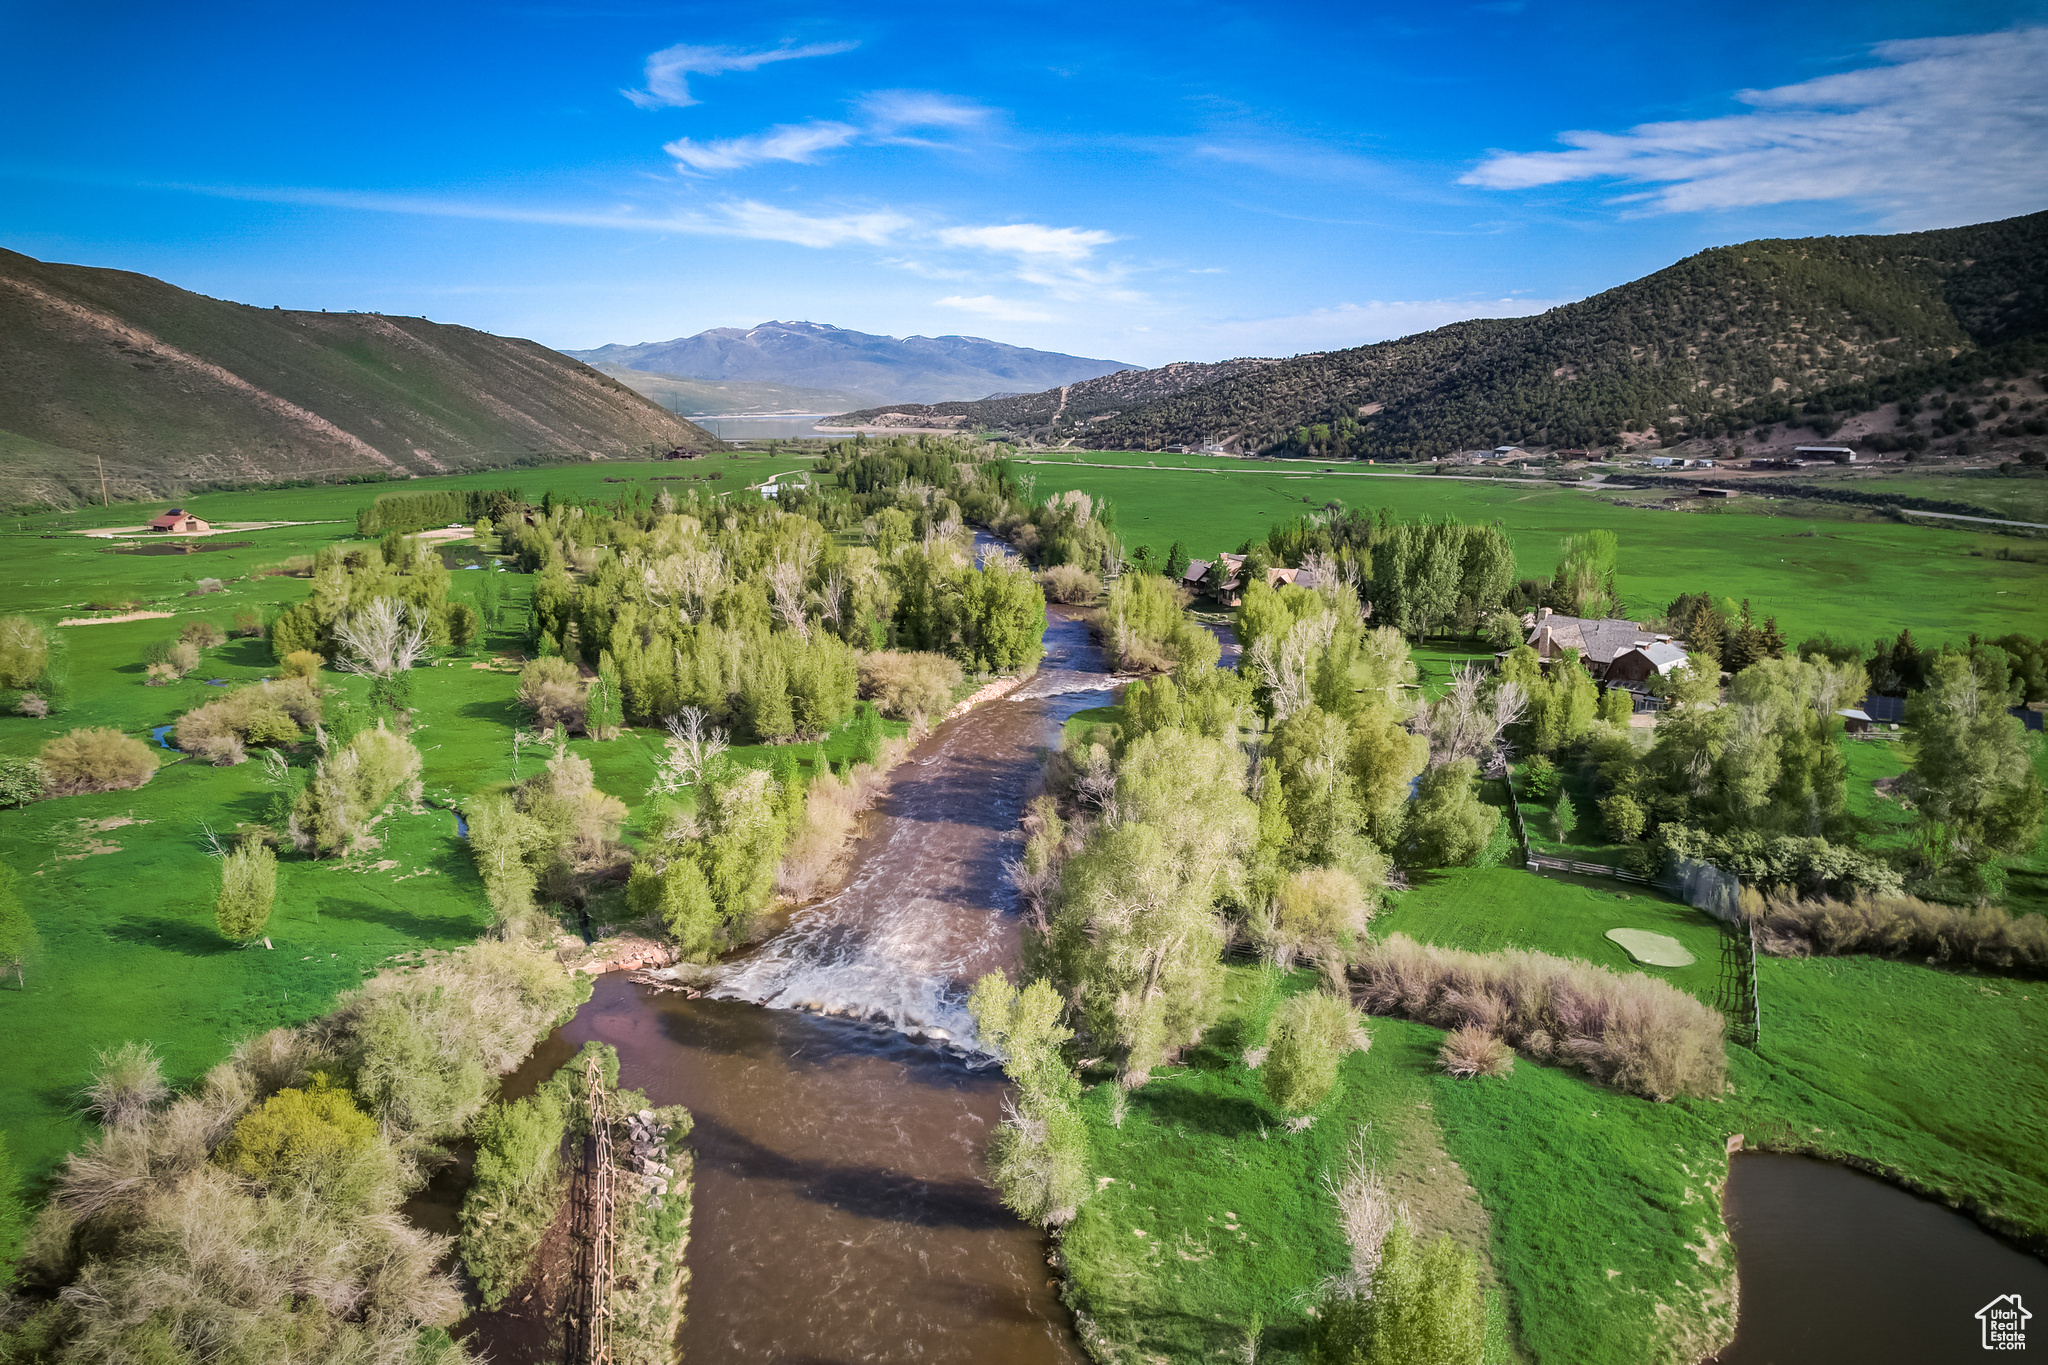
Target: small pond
183	547
1840	1268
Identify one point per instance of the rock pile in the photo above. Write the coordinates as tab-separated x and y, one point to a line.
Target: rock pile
647	1163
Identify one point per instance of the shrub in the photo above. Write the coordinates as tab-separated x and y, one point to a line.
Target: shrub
182	657
300	663
310	1139
1472	1051
248	622
248	887
1318	911
1069	583
22	780
1418	1309
95	759
517	1187
1309	1035
428	1045
24	651
1990	938
348	788
204	634
552	690
128	1083
31	706
1539	778
907	685
1631	1031
265	713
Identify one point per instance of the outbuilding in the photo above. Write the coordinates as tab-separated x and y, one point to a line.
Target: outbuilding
179	521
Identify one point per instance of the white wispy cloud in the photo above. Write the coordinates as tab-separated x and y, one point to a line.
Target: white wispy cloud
1029	240
886	118
669	70
790	142
989	306
1944	131
892	114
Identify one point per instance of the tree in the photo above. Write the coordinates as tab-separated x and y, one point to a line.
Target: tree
1135	935
1450	825
1585	574
386	637
1176	561
606	711
1310	1034
1972	781
1421	1308
1038	1157
465	624
18	943
694	748
1616	705
248	886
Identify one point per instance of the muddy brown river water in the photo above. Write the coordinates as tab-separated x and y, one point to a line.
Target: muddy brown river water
841	1212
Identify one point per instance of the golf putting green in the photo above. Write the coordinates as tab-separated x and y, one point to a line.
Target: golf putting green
1652	950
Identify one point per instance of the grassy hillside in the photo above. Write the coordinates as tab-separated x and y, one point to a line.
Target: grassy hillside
174	390
1710	345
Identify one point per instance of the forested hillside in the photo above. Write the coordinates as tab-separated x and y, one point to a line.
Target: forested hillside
1730	337
173	390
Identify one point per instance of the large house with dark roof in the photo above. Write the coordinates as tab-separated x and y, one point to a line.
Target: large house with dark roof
1614	651
1223	578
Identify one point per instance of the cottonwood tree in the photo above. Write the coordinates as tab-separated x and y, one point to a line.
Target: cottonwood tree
1972	781
382	639
694	748
1135	937
1038	1157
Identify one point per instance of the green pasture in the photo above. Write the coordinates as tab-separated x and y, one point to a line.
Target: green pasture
2022	497
1600	1210
1855	579
121	884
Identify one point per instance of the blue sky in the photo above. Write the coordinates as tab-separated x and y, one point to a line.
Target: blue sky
1146	182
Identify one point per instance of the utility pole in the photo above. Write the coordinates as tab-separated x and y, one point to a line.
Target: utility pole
103	478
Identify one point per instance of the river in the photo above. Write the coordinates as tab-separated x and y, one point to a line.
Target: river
841	1211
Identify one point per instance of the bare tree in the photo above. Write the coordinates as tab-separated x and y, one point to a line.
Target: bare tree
385	638
831	598
1283	670
1467	721
694	747
786	587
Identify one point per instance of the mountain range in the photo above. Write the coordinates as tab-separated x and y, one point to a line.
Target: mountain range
880	369
170	390
1729	337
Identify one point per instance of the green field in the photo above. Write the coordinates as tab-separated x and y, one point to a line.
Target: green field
1854	579
2021	498
1599	1211
121	884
